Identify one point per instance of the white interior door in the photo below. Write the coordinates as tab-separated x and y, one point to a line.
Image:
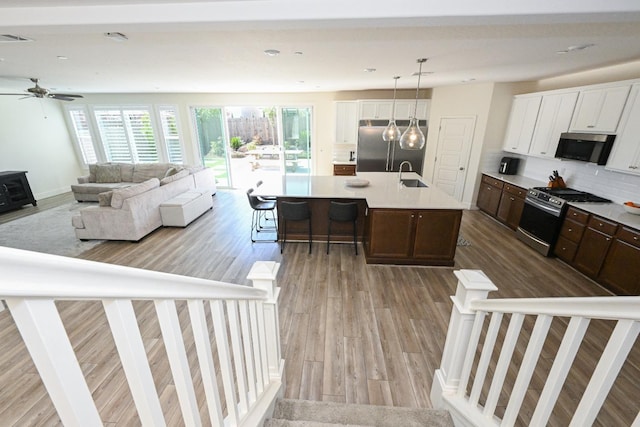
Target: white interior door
454	145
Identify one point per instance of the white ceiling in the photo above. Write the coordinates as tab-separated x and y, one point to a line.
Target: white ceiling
217	46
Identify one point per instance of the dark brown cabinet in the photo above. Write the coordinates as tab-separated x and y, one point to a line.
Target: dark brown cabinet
344	170
601	249
621	269
489	195
15	191
511	205
401	236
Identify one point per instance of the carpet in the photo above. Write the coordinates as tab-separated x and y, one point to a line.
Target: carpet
49	232
463	242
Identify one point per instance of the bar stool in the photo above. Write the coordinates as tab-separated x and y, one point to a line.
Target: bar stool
294	211
260	209
343	212
258	184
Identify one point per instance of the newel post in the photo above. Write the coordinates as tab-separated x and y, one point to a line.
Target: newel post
263	275
472	285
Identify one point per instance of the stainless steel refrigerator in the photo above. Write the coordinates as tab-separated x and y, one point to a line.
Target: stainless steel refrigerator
376	155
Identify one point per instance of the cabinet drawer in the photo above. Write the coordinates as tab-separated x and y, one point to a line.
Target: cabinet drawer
492	181
577	215
629	236
602	225
516	191
572	230
566	249
344	169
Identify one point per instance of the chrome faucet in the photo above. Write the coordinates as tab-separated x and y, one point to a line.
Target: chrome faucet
406	162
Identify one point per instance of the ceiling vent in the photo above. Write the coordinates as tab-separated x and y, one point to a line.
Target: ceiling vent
12	38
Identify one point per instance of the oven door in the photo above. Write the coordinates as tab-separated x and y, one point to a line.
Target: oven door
539	225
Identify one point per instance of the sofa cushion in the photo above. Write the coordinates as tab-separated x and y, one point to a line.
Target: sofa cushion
145	171
104	199
108	173
176	176
126	171
120	195
92	172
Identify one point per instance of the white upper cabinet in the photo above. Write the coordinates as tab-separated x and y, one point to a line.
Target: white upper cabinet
375	110
382	110
346	122
554	118
522	121
599	110
625	156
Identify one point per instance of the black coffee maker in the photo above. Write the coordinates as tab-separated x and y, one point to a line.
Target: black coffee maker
509	165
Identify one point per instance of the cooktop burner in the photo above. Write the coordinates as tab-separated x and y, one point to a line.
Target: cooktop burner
571	195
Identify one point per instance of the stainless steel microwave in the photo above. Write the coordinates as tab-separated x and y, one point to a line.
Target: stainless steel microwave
585	147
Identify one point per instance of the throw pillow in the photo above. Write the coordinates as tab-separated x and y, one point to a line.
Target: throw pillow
171	171
145	171
104	199
121	194
108	173
174	177
126	172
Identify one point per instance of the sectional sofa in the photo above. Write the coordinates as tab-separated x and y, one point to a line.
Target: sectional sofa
129	197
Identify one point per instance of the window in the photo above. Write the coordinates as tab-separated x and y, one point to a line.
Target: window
170	134
83	135
126	134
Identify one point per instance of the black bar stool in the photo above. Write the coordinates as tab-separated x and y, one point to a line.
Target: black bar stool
294	211
260	208
343	212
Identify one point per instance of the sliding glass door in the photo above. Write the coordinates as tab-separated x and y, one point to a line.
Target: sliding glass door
247	144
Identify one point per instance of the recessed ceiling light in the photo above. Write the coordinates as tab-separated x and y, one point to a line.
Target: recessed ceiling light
62	58
467	80
116	37
370	70
272	52
297	52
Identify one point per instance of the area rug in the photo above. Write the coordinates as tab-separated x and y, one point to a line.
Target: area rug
463	242
48	231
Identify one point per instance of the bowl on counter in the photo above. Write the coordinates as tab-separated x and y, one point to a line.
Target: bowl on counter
632	209
356	182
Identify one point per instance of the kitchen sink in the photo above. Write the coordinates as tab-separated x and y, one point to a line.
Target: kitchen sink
413	183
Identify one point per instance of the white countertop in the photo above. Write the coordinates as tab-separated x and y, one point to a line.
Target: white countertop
383	191
612	211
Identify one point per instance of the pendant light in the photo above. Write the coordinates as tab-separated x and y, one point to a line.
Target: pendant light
391	132
413	138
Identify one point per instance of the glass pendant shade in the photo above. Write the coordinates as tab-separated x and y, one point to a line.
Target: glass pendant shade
413	138
391	133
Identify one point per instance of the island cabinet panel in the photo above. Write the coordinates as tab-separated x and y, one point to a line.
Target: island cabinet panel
403	236
594	246
344	170
621	269
489	195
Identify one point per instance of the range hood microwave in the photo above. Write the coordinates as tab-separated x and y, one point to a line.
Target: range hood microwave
585	147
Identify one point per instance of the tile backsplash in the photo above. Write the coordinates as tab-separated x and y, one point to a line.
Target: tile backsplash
619	187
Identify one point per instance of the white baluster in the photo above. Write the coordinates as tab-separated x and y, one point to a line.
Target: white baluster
249	351
47	341
224	354
238	359
178	362
485	357
126	334
472	285
260	358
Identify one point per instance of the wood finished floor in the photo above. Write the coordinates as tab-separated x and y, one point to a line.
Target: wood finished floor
350	332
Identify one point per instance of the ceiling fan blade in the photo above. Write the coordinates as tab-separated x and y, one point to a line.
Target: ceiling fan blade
62	98
19	94
64	95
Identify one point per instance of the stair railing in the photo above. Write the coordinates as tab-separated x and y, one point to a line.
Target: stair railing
455	388
244	321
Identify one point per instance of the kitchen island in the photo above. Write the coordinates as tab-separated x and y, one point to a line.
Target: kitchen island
397	224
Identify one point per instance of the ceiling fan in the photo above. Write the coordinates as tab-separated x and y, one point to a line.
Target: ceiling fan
39	92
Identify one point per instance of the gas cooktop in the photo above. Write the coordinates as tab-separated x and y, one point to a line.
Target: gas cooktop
571	195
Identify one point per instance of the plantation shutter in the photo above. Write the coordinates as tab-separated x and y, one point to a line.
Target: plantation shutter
114	136
170	133
127	135
83	135
138	123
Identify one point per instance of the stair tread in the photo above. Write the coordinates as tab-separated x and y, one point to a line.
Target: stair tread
355	414
279	422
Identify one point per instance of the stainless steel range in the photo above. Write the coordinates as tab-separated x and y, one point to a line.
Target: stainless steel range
543	213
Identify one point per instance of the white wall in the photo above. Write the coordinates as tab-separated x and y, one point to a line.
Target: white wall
34	138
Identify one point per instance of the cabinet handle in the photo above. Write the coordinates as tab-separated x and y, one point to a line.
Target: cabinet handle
591	126
570	230
633	167
413	216
419	216
600	225
607	239
513	148
461	168
575	214
635	237
512	199
543	152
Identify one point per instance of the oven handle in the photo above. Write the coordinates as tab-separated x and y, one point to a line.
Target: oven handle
536	204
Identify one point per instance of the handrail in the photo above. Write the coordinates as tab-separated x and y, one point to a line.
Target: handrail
606	308
32	274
